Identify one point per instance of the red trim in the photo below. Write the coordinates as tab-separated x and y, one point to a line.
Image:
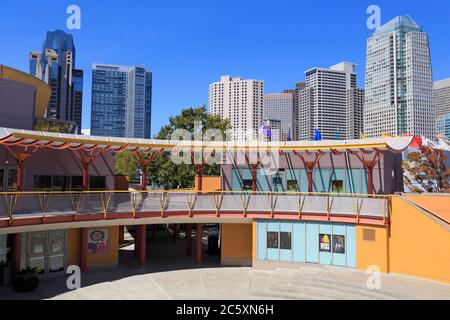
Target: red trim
20	222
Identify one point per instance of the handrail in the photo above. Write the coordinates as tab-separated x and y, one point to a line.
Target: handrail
334	194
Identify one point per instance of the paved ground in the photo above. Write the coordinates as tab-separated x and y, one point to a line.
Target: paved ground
171	275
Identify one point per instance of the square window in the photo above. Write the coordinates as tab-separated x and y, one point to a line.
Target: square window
285	240
272	240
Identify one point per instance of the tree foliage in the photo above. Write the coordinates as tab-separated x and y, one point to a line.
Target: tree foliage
126	164
162	171
426	171
169	175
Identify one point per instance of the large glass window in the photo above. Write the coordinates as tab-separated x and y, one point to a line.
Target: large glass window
60	183
77	183
42	183
97	183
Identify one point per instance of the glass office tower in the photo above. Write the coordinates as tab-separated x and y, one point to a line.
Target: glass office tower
121	101
56	66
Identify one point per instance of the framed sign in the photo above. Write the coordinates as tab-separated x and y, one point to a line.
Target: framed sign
98	241
324	242
338	244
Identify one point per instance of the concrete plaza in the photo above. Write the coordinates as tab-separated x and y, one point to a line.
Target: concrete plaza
169	274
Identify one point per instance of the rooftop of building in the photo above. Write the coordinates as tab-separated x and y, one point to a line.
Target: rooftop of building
440	84
400	22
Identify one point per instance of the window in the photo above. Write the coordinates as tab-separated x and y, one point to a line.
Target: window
42	183
97	183
60	183
285	240
337	186
247	184
77	183
272	240
292	185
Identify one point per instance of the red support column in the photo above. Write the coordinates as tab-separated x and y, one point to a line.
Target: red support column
144	177
16	247
85	175
188	240
310	179
142	238
121	235
19	175
200	171
309	166
83	249
370	180
254	177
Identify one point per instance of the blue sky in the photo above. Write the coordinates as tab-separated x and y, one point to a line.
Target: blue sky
189	44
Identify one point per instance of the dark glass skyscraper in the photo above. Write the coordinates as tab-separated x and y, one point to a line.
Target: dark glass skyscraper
121	101
56	66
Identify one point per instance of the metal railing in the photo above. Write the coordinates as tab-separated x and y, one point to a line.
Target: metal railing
41	204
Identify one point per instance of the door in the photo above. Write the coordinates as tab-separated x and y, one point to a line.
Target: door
46	251
36	251
56	253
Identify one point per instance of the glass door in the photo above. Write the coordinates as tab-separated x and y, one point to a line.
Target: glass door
56	252
37	243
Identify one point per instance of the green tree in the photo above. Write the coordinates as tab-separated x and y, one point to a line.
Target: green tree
425	171
126	164
169	175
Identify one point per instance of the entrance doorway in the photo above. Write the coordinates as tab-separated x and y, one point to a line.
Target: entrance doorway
46	250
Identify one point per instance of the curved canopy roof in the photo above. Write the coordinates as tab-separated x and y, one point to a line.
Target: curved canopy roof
62	141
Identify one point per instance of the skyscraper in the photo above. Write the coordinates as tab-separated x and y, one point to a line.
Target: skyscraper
329	102
56	66
399	85
280	106
121	101
442	104
295	117
241	101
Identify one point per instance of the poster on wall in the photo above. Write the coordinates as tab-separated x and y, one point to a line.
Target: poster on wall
285	240
272	240
338	244
324	242
98	241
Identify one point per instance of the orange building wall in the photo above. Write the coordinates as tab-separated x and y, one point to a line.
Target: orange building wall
73	247
109	259
236	244
209	183
371	252
419	246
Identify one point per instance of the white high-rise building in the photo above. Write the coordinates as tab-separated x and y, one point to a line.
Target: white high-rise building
322	104
442	97
399	85
280	106
241	101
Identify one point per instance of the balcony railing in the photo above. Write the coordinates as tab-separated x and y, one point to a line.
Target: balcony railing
109	203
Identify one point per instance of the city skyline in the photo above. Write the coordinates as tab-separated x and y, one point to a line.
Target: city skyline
269	63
